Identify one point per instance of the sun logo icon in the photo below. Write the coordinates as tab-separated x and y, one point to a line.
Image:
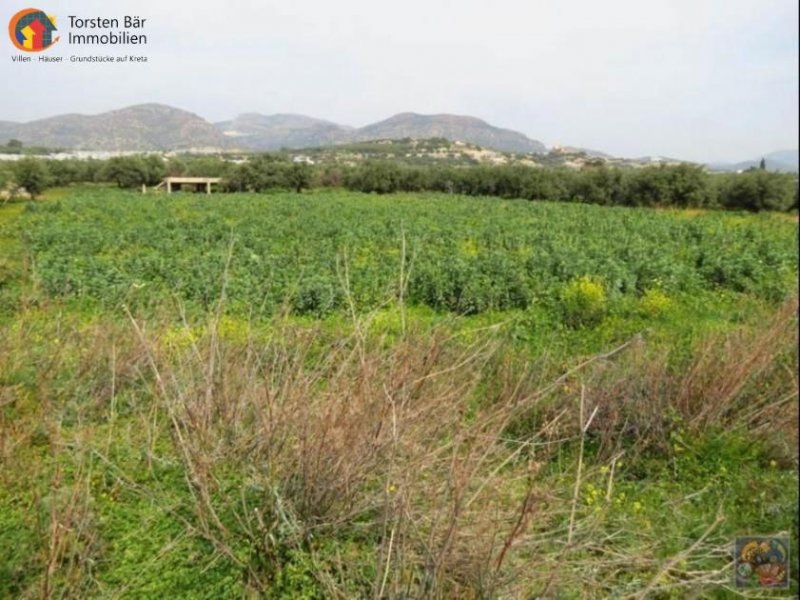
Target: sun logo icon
31	30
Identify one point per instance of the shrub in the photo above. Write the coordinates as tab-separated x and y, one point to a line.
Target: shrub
654	303
33	175
584	302
133	171
759	190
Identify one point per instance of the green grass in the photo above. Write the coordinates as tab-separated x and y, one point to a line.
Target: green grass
98	498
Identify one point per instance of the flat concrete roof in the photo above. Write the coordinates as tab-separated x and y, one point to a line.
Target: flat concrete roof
193	179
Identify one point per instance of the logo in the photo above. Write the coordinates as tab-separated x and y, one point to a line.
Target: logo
31	30
762	562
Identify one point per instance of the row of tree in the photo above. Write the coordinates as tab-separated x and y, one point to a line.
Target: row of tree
661	186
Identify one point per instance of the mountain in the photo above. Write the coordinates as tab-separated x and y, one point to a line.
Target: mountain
273	132
781	160
152	127
452	127
143	127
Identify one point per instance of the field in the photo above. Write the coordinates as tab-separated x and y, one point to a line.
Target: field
458	254
334	394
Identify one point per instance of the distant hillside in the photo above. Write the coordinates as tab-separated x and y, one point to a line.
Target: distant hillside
6	127
417	152
451	127
440	151
781	160
143	127
152	127
272	132
577	150
787	157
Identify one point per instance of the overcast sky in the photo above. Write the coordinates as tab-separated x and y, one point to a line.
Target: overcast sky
694	79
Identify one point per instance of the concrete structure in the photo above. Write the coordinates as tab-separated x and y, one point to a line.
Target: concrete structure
198	182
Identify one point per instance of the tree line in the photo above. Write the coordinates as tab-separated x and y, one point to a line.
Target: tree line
682	185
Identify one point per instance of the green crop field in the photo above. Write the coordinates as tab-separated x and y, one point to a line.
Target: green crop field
459	254
335	394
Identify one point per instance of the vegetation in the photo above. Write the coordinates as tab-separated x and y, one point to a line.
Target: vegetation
757	190
267	172
32	175
461	254
337	395
133	171
682	185
13	146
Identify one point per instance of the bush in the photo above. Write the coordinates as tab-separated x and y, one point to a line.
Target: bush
33	175
759	190
654	303
584	302
134	171
379	177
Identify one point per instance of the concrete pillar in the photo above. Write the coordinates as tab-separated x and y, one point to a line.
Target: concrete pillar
169	186
208	187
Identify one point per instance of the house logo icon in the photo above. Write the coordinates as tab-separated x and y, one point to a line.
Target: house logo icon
31	30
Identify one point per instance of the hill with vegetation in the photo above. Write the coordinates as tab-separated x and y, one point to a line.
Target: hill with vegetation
451	127
144	127
153	127
273	132
270	132
442	151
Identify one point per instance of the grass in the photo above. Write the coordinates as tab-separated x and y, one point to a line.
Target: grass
388	451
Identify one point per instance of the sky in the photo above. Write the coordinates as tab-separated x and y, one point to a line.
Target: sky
704	80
